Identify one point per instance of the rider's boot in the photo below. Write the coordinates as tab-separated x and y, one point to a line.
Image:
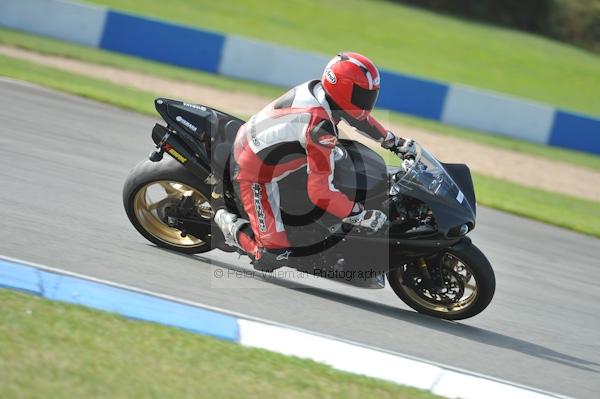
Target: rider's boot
230	224
263	259
271	259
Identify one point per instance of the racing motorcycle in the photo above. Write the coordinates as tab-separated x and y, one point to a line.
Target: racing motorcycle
423	251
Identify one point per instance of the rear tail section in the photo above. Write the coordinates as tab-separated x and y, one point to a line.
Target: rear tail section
198	137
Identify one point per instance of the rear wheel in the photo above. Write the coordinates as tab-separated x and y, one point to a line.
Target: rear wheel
465	284
152	193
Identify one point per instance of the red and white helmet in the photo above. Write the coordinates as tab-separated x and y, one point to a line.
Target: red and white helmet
351	81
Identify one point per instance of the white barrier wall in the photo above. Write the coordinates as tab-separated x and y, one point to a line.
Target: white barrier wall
494	112
249	59
73	22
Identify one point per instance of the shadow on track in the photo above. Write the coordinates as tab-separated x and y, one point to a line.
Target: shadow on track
476	334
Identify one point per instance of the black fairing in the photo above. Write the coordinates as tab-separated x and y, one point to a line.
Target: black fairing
194	119
461	174
210	133
450	215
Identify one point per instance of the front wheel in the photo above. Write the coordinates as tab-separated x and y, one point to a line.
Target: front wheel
464	284
153	191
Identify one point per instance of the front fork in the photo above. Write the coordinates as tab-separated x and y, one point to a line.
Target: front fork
431	272
426	272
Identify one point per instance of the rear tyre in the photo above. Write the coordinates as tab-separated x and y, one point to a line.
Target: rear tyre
141	193
470	286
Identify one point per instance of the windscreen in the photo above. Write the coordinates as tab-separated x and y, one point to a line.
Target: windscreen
426	174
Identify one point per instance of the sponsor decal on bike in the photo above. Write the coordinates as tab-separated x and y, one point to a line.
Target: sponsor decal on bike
260	212
169	149
186	123
200	107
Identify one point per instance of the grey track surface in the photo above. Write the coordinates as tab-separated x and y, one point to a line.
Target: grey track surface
63	163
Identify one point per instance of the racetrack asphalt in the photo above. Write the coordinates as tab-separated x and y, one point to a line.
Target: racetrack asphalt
62	168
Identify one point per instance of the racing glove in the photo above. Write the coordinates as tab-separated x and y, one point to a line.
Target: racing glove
404	147
371	219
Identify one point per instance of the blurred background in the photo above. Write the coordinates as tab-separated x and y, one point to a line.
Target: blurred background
510	88
570	21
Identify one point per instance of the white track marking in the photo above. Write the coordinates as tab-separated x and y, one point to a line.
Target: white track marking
346	355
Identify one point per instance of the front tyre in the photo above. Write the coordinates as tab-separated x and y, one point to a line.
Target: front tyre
468	285
151	192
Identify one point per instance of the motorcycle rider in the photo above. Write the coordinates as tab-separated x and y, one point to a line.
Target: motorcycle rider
297	130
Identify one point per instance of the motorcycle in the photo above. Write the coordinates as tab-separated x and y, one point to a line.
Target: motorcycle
423	251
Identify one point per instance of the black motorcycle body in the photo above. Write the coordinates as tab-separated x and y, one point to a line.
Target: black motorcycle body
424	250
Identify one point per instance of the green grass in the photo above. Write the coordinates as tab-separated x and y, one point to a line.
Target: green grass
552	208
100	90
404	39
55	350
576	214
58	48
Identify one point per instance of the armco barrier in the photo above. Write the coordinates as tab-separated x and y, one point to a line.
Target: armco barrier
268	63
253	60
424	98
579	132
478	109
72	22
60	285
161	41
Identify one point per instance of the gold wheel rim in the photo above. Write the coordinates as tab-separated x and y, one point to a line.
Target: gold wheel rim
149	207
470	294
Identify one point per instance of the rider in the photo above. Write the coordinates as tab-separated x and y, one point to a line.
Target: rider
297	130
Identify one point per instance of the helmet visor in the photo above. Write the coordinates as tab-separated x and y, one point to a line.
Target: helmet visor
364	98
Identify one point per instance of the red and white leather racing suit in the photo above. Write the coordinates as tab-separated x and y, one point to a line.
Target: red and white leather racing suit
297	130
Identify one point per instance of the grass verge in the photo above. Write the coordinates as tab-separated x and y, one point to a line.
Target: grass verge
403	38
132	99
569	212
66	351
552	208
68	50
